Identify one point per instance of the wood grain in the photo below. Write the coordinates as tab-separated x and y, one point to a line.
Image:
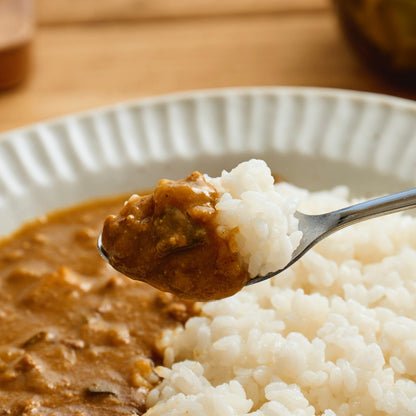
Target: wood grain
82	66
63	11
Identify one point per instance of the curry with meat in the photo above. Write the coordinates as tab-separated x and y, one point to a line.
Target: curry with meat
170	240
76	337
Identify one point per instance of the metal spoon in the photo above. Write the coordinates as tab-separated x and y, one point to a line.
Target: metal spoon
317	227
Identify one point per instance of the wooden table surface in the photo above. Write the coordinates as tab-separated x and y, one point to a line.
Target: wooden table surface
93	53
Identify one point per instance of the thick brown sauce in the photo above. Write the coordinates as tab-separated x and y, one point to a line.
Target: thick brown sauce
169	239
76	337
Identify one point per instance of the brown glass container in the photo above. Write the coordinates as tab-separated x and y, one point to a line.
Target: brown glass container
16	32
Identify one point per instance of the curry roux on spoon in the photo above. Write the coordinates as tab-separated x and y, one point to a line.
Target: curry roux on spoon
169	239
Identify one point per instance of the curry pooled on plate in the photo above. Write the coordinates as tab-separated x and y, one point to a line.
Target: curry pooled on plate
76	337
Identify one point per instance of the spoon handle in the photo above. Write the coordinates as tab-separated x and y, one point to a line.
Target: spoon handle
317	227
375	207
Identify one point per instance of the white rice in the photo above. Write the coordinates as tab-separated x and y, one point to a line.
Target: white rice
263	218
334	335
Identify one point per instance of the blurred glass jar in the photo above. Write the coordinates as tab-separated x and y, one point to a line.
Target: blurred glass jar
384	34
16	32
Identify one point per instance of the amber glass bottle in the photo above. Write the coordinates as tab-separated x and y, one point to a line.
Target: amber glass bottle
16	32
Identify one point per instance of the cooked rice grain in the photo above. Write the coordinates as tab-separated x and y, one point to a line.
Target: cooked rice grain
258	217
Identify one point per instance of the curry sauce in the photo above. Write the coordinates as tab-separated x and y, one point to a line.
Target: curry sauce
76	337
170	240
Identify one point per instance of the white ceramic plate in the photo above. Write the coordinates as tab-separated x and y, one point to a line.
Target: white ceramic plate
316	138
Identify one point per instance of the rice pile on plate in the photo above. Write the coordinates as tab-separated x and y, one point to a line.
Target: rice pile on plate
333	335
